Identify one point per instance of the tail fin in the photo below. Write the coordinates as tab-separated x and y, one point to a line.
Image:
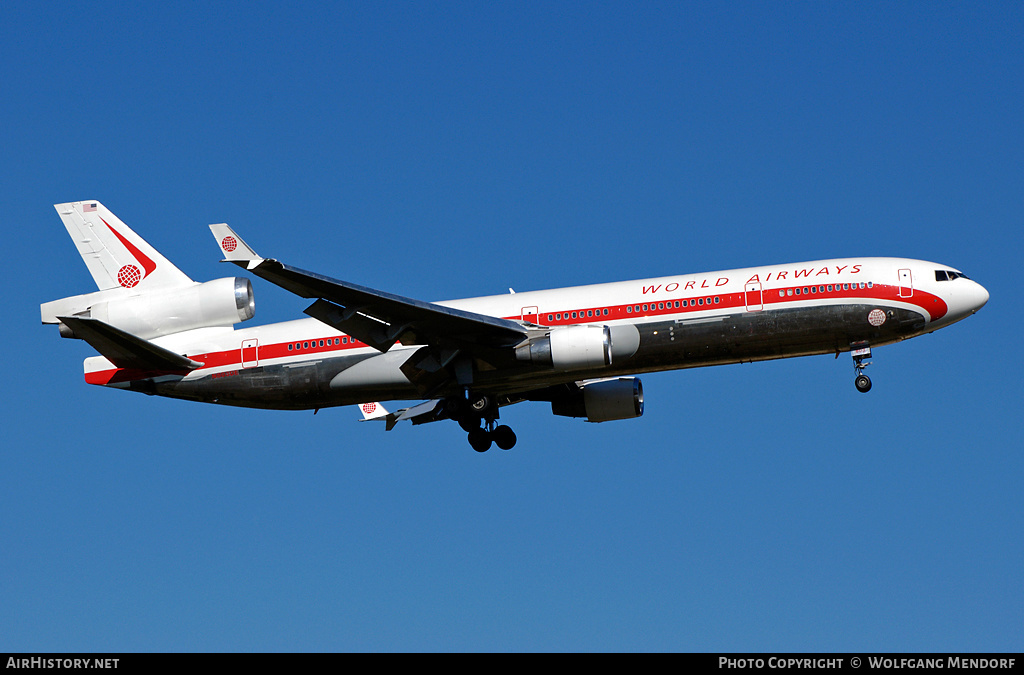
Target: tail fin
115	255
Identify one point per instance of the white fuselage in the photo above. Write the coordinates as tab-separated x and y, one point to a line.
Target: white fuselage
683	321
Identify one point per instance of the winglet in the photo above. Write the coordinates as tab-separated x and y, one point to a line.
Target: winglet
372	411
233	247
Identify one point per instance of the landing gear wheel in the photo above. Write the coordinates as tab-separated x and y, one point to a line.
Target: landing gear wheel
480	439
861	351
481	405
504	437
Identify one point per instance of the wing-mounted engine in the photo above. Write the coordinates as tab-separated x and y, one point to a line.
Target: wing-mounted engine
218	303
580	347
569	348
619	398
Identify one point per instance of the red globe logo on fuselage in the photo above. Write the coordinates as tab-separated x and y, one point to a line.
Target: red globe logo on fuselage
129	276
229	244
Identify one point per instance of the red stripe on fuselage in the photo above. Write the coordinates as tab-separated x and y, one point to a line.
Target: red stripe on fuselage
931	304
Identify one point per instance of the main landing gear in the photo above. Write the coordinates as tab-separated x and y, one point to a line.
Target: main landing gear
477	415
861	351
482	437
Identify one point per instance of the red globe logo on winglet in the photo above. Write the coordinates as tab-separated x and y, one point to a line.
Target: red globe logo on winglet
129	276
368	408
229	244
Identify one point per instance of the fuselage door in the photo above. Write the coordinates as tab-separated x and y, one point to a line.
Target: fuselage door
906	284
530	315
250	356
754	297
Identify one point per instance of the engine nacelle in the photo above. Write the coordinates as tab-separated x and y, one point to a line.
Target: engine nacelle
222	302
619	398
570	348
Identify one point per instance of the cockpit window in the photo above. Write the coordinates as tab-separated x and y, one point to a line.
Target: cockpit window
949	275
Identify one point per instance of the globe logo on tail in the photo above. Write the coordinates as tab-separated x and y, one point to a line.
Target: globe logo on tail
129	276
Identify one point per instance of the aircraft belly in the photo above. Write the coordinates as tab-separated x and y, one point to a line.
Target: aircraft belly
774	334
299	386
734	338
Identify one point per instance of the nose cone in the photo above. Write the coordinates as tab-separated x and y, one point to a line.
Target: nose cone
977	296
967	297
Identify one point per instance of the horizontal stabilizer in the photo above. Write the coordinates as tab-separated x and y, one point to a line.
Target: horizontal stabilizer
125	350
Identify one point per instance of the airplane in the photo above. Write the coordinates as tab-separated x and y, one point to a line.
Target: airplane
579	349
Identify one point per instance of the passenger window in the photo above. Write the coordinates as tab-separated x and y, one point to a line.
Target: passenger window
590	312
629	309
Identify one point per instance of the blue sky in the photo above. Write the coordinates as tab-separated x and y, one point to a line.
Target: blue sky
444	150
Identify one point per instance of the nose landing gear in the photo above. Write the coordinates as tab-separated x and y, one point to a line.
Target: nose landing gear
861	351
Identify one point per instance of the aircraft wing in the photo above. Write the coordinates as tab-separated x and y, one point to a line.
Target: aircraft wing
376	317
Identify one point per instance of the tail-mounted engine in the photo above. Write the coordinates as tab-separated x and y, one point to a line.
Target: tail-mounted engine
218	303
